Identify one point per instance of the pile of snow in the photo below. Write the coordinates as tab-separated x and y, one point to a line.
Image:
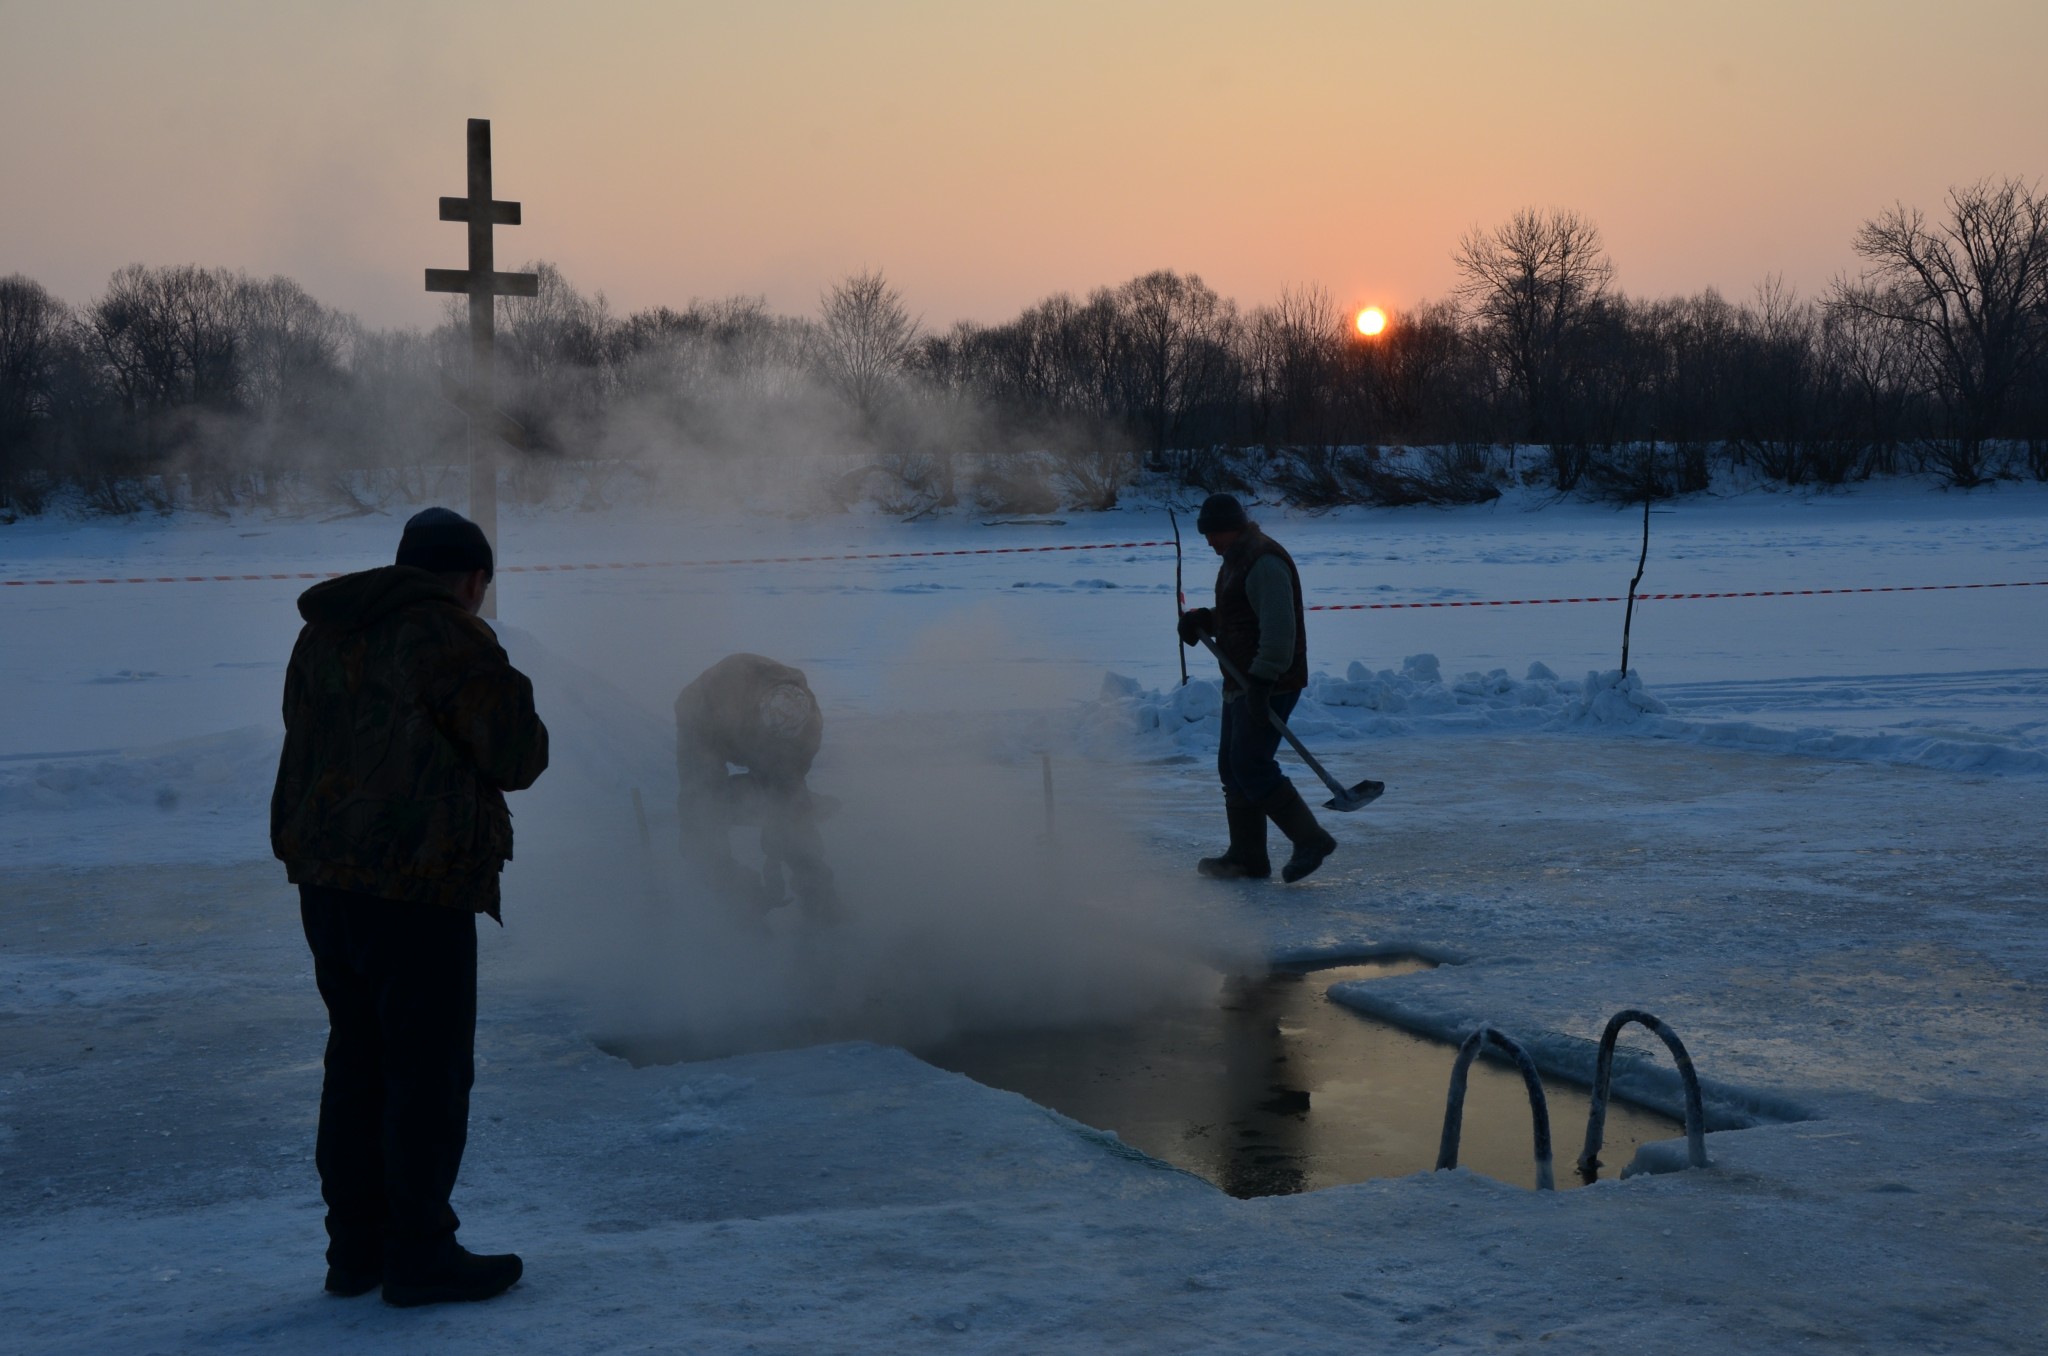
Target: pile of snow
1417	700
1420	700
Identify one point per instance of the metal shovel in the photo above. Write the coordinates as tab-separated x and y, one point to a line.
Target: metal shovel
1341	799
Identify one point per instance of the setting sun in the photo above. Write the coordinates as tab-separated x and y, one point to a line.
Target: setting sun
1371	320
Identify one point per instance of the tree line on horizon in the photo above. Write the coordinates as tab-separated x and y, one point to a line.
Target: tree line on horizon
189	385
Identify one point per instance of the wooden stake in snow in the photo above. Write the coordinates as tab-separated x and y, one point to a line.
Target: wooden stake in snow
1180	598
1629	616
482	283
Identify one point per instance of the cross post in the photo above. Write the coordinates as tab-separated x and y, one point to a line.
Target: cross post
482	283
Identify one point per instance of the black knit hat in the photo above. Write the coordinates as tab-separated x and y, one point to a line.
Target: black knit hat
445	542
1220	513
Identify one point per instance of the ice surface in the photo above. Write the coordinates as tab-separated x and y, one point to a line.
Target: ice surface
1820	861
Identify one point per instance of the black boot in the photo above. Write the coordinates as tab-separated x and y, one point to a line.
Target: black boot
355	1259
1245	858
453	1274
348	1282
1298	822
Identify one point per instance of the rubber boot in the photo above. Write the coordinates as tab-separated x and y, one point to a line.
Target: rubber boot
355	1264
454	1274
1287	809
348	1282
1245	858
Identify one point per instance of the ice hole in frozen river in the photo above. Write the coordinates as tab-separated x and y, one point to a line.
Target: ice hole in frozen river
1277	1089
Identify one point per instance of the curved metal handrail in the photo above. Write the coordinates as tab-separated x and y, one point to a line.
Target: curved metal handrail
1454	1106
1603	1078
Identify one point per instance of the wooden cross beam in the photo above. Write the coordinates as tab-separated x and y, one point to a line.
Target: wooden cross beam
483	284
480	280
500	284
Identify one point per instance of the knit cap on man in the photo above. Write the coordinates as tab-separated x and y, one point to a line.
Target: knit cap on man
445	542
1220	513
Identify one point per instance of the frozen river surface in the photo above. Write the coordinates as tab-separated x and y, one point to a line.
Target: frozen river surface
1790	862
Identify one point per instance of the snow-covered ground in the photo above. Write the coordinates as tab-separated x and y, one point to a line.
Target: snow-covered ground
1806	832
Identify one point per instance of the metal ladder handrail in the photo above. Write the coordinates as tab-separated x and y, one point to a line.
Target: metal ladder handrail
1454	1106
1603	1079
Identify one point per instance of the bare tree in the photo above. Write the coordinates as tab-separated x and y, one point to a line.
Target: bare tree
167	335
555	347
1875	364
1180	336
1777	372
730	347
1414	380
32	328
1534	284
292	348
1293	349
30	321
1971	294
1604	402
867	338
1096	344
1696	393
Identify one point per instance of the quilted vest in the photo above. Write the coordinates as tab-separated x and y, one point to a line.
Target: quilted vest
1237	626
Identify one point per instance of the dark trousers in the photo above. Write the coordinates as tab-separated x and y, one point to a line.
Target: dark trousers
1244	754
399	980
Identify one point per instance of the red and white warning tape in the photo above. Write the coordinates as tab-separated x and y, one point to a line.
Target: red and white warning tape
1642	597
1031	550
609	565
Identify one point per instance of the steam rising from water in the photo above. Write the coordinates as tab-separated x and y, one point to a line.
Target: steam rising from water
960	917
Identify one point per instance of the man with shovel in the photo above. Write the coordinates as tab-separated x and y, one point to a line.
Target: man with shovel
1259	633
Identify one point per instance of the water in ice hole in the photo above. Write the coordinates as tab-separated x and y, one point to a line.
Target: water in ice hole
1276	1089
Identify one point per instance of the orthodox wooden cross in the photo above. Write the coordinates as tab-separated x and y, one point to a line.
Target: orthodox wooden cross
482	283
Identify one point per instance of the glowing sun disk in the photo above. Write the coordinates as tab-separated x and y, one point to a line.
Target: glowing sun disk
1371	320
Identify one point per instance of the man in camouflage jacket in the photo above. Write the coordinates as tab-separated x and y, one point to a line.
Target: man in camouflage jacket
405	725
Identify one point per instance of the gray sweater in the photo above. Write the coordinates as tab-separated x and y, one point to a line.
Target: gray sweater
1271	593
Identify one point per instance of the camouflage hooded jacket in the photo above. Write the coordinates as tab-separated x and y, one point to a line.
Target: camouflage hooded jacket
405	724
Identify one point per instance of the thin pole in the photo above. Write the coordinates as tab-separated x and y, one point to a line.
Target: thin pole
1180	597
1628	617
483	457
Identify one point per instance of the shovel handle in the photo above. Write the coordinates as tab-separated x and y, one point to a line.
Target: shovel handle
1337	789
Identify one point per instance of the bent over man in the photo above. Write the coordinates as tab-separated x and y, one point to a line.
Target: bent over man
1258	624
748	711
405	724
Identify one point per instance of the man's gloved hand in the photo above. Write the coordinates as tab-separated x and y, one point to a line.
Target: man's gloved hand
1258	701
1194	622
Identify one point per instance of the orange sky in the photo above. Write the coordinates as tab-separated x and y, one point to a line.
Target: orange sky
985	155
